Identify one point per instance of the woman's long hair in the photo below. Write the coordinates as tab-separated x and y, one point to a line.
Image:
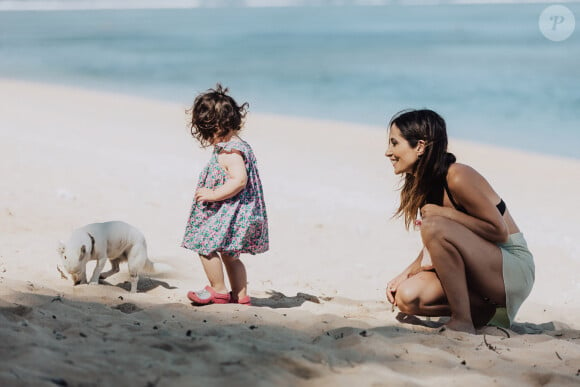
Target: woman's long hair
430	170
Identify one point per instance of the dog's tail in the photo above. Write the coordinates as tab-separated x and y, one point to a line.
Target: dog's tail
156	268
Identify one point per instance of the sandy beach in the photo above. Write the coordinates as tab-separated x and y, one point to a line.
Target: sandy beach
319	315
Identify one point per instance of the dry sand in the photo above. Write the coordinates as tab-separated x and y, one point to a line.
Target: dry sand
72	157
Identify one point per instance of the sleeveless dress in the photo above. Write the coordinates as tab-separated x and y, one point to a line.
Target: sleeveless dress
235	225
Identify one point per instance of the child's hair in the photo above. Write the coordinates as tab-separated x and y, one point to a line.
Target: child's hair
215	114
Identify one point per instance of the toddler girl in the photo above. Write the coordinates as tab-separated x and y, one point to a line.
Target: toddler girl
228	216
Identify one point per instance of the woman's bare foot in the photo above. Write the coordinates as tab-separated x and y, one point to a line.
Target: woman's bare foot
461	326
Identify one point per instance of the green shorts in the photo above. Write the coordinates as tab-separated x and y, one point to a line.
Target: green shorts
518	278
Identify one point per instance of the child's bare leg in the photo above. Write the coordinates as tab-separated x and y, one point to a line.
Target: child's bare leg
212	265
237	275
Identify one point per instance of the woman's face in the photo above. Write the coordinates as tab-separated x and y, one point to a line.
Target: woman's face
400	152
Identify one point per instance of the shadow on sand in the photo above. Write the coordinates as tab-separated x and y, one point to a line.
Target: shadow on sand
280	300
525	328
143	286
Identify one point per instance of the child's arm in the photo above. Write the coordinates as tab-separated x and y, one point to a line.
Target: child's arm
233	162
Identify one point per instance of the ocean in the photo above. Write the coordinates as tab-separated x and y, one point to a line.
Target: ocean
487	69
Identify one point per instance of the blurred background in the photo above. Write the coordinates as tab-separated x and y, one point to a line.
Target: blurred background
486	68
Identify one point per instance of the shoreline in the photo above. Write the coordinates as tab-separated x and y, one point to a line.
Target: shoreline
72	157
322	122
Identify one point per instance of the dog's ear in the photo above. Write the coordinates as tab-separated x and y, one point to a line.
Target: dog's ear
61	247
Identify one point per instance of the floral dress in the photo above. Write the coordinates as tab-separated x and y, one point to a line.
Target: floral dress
235	225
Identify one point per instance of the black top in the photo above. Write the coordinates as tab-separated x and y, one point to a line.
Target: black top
439	184
500	206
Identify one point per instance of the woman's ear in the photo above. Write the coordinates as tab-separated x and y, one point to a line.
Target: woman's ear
420	148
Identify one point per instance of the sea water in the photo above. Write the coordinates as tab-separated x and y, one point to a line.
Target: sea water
487	69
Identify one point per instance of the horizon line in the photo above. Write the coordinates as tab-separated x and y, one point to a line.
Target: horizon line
64	5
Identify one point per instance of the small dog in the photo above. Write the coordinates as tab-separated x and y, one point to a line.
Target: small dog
114	241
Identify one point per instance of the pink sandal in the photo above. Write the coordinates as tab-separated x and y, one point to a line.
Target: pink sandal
243	301
208	296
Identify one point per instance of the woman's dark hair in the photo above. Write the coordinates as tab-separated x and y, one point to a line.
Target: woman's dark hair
430	170
215	114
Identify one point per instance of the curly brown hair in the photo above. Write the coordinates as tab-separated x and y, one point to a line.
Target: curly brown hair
215	114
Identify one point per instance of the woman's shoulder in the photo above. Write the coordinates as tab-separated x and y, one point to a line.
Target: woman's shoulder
459	174
459	168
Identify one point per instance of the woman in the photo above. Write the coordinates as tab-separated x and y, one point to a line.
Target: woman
475	260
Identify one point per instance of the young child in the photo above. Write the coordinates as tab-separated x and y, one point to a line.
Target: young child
228	216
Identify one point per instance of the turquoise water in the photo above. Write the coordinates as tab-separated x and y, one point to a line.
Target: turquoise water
486	68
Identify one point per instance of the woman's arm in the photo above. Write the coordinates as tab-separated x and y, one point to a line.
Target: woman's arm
233	163
415	266
476	195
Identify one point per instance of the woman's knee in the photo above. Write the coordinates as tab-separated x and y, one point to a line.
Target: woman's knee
407	298
433	229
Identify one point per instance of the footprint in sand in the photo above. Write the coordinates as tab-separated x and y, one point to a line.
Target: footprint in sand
297	368
127	308
17	312
346	335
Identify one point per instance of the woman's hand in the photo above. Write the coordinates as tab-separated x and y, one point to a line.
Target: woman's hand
393	285
432	210
204	195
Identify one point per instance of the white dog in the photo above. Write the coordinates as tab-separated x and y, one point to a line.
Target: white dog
114	241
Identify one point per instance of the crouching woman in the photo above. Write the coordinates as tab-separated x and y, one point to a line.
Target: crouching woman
475	265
